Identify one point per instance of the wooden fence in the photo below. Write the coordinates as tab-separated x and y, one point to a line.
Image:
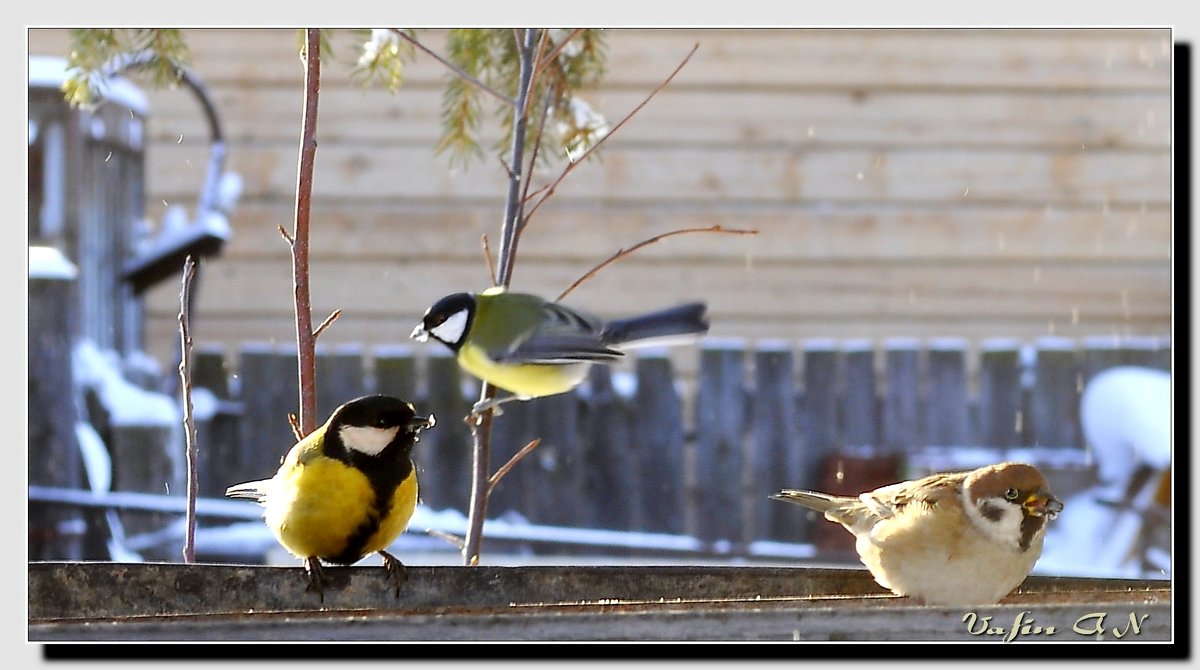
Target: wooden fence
697	456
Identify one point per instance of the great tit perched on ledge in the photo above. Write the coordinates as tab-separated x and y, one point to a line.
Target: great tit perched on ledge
532	347
346	490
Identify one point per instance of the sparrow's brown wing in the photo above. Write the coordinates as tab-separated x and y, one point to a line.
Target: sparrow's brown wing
930	491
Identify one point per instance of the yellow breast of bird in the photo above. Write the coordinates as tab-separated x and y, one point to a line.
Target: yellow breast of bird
523	379
320	507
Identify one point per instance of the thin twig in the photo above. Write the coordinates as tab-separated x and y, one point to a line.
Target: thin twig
189	421
295	424
512	462
333	316
449	537
571	165
514	208
487	256
541	48
305	341
504	164
462	74
542	63
287	237
537	143
645	243
541	189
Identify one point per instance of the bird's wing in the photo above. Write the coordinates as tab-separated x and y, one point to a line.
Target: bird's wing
559	348
930	491
564	336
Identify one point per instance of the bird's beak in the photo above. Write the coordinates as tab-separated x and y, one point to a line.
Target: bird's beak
420	423
419	333
1044	504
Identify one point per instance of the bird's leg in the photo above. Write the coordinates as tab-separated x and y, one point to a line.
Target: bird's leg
493	404
396	573
312	566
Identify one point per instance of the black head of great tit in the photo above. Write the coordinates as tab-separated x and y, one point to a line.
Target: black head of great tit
346	490
532	347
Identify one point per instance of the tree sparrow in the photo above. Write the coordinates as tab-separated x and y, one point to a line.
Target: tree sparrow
954	538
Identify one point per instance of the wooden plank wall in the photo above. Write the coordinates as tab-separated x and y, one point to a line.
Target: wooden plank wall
916	183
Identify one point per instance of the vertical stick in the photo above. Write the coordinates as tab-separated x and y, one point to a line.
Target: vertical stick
305	340
189	422
480	474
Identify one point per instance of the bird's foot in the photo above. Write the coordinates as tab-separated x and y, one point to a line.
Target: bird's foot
396	573
312	566
478	409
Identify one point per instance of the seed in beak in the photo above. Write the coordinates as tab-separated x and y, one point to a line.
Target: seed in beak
1043	504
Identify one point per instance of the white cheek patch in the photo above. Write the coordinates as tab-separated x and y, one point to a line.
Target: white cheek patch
1002	523
367	440
451	330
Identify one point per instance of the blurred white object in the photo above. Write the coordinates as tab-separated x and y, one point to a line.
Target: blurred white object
50	263
1125	413
1126	417
229	190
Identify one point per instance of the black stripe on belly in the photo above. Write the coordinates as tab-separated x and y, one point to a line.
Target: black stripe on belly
384	472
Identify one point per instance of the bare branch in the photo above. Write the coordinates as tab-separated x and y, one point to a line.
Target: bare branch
537	143
504	164
305	341
481	435
295	424
449	537
571	165
514	208
645	243
189	421
513	212
462	74
542	63
487	256
287	237
512	462
541	48
333	316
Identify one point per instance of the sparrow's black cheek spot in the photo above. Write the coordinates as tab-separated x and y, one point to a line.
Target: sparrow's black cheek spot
991	511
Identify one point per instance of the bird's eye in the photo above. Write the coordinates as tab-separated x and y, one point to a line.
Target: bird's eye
1011	494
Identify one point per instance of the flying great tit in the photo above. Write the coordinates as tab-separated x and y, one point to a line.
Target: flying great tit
346	490
532	347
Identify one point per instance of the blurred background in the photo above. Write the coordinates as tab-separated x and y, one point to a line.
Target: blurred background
964	255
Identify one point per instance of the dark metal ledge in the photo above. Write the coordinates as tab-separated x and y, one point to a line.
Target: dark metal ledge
169	601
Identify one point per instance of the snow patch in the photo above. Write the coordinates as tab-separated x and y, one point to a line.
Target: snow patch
127	404
50	263
52	72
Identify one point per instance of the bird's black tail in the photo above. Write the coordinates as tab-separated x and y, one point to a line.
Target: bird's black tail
685	321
